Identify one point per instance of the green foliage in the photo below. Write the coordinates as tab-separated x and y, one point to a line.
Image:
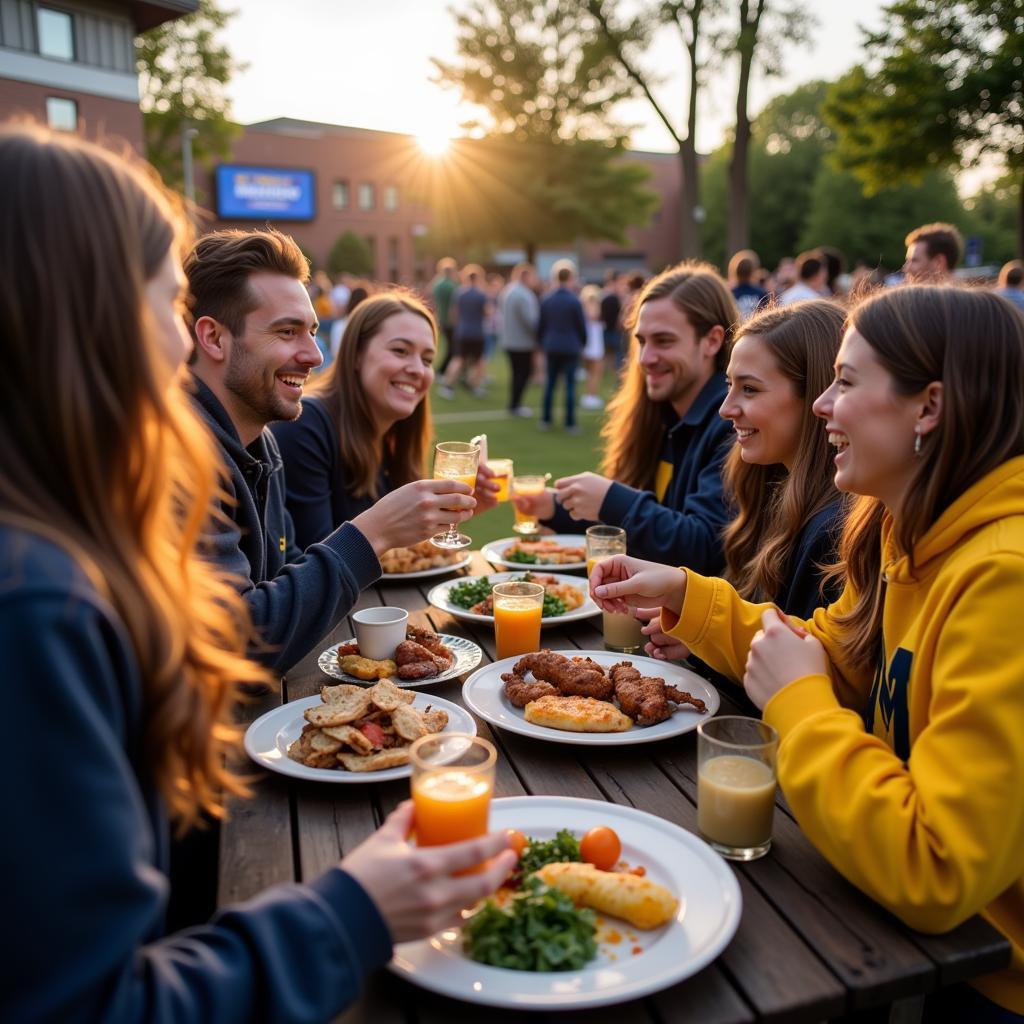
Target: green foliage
991	215
350	254
183	71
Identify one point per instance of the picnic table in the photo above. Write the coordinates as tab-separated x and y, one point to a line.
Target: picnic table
809	945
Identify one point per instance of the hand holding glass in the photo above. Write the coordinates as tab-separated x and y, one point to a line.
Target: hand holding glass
502	470
622	633
527	523
455	460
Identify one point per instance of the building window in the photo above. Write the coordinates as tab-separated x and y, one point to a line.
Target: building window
341	195
61	114
393	252
367	199
56	33
371	244
391	198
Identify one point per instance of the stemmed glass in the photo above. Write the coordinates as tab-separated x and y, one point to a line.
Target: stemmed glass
455	460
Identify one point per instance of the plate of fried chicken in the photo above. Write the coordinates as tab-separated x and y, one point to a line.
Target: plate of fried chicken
590	697
422	659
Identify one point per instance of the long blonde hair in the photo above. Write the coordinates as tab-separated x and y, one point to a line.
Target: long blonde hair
110	462
635	423
774	505
402	452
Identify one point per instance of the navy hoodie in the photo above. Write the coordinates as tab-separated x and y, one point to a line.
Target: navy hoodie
86	837
295	598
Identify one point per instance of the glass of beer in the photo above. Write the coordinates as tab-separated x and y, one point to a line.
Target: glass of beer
527	523
452	784
502	469
518	608
621	632
455	460
736	785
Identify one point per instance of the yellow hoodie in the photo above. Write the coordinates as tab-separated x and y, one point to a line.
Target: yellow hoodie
911	780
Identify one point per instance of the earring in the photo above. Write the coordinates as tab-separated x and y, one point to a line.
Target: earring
917	442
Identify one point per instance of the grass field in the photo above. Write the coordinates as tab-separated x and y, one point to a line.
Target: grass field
531	450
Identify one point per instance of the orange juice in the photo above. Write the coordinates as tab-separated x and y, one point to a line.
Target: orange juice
527	522
517	627
470	481
451	804
502	469
502	481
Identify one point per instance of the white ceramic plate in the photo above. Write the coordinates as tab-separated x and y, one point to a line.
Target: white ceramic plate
467	657
438	597
268	738
422	574
710	907
494	553
484	694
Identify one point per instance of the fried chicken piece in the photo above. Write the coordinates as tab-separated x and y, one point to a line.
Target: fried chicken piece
646	699
432	642
570	678
683	697
409	651
520	692
418	670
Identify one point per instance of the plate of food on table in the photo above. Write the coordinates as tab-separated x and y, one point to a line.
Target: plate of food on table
596	698
350	733
608	903
560	551
566	598
422	659
421	561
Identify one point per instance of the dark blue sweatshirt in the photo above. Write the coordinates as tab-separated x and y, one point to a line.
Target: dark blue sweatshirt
801	591
685	526
85	844
294	598
318	495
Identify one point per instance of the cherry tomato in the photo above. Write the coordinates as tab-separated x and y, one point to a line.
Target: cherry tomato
516	841
601	847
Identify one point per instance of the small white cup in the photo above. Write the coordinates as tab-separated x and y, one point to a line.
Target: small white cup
379	631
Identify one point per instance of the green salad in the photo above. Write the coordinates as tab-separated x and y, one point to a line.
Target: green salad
564	847
472	592
521	556
540	929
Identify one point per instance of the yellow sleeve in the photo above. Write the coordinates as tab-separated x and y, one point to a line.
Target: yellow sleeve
717	625
936	839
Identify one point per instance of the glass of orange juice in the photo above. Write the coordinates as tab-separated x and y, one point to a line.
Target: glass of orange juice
621	632
502	469
455	460
518	608
452	783
527	523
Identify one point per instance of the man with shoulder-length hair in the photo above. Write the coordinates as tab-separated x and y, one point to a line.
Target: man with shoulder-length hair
933	251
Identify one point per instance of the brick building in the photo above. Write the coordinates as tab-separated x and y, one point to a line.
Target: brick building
71	64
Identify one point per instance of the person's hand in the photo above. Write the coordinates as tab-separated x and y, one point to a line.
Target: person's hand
582	495
487	488
415	512
780	653
541	505
413	887
621	581
660	645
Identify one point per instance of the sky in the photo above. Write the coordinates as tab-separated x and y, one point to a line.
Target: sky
367	64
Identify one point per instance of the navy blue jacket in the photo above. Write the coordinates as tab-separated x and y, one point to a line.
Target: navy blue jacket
801	591
317	489
85	845
294	598
562	329
685	527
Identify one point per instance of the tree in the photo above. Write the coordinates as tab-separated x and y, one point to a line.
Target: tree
183	71
350	254
942	87
551	168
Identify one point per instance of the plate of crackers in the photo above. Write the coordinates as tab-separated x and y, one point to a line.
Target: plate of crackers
423	658
351	733
595	698
631	961
420	561
559	551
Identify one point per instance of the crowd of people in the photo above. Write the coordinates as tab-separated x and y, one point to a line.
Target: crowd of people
823	494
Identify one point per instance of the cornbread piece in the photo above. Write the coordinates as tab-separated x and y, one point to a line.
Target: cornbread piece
577	714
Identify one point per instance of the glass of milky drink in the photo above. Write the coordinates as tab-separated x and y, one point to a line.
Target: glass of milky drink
736	785
621	632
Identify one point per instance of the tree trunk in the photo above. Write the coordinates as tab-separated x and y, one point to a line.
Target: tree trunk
690	220
738	233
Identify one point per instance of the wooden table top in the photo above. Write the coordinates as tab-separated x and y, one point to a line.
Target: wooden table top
809	945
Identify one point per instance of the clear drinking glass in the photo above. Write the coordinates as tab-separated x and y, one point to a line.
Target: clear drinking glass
455	460
621	632
502	469
527	524
518	608
736	785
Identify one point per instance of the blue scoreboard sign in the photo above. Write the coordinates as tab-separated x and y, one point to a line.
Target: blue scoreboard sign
261	193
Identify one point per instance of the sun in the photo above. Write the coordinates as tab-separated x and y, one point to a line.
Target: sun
434	141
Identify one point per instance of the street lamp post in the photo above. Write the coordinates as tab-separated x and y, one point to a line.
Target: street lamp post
187	135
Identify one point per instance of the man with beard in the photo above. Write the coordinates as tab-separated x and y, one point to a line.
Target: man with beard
254	331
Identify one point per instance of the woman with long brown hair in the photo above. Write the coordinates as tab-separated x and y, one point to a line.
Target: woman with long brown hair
122	648
900	708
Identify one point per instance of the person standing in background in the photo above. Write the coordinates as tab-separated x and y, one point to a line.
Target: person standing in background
563	336
611	317
750	297
442	290
520	314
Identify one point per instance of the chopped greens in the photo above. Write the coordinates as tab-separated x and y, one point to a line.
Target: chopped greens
565	846
539	930
523	557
